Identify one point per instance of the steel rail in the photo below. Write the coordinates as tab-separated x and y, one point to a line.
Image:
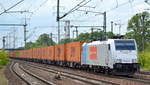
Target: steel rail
75	76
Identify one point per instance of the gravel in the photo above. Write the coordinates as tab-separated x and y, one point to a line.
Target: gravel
90	75
51	77
12	78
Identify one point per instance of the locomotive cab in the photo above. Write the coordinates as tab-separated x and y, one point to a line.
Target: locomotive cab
124	56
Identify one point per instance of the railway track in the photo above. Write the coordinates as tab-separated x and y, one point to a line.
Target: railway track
144	73
142	76
77	77
15	73
132	80
28	77
136	79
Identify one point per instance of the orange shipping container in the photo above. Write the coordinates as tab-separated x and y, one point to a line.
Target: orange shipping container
60	53
40	53
74	52
44	53
51	53
36	53
33	53
30	53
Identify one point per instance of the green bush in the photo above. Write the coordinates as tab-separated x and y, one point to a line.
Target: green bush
144	58
3	58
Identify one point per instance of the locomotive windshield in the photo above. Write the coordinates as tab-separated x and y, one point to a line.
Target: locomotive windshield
124	45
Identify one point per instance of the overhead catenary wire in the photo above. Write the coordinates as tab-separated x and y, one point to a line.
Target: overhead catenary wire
118	5
89	6
26	11
5	9
35	28
30	5
11	7
43	0
72	10
32	13
91	11
75	8
38	8
32	33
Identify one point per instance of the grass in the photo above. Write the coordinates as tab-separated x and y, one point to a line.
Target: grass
3	80
144	58
3	59
3	62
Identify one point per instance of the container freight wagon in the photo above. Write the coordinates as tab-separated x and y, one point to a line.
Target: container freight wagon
41	55
50	54
60	55
30	54
13	54
43	52
73	54
35	54
27	54
22	54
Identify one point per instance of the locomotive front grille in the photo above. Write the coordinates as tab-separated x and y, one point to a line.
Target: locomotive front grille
133	67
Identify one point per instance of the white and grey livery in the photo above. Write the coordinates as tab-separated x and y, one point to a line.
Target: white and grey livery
114	55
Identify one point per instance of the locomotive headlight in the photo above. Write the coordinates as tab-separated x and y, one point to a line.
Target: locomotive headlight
134	61
118	60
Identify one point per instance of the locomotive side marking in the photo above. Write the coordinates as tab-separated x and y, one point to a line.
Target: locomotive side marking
93	53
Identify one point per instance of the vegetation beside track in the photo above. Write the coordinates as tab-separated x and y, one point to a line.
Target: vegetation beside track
3	58
3	61
144	58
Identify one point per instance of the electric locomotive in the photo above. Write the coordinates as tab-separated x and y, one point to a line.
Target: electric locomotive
117	56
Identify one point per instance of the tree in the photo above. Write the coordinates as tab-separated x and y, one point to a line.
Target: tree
87	37
3	58
84	37
42	41
29	45
110	34
138	29
65	41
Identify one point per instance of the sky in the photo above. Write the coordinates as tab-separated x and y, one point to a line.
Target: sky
41	17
